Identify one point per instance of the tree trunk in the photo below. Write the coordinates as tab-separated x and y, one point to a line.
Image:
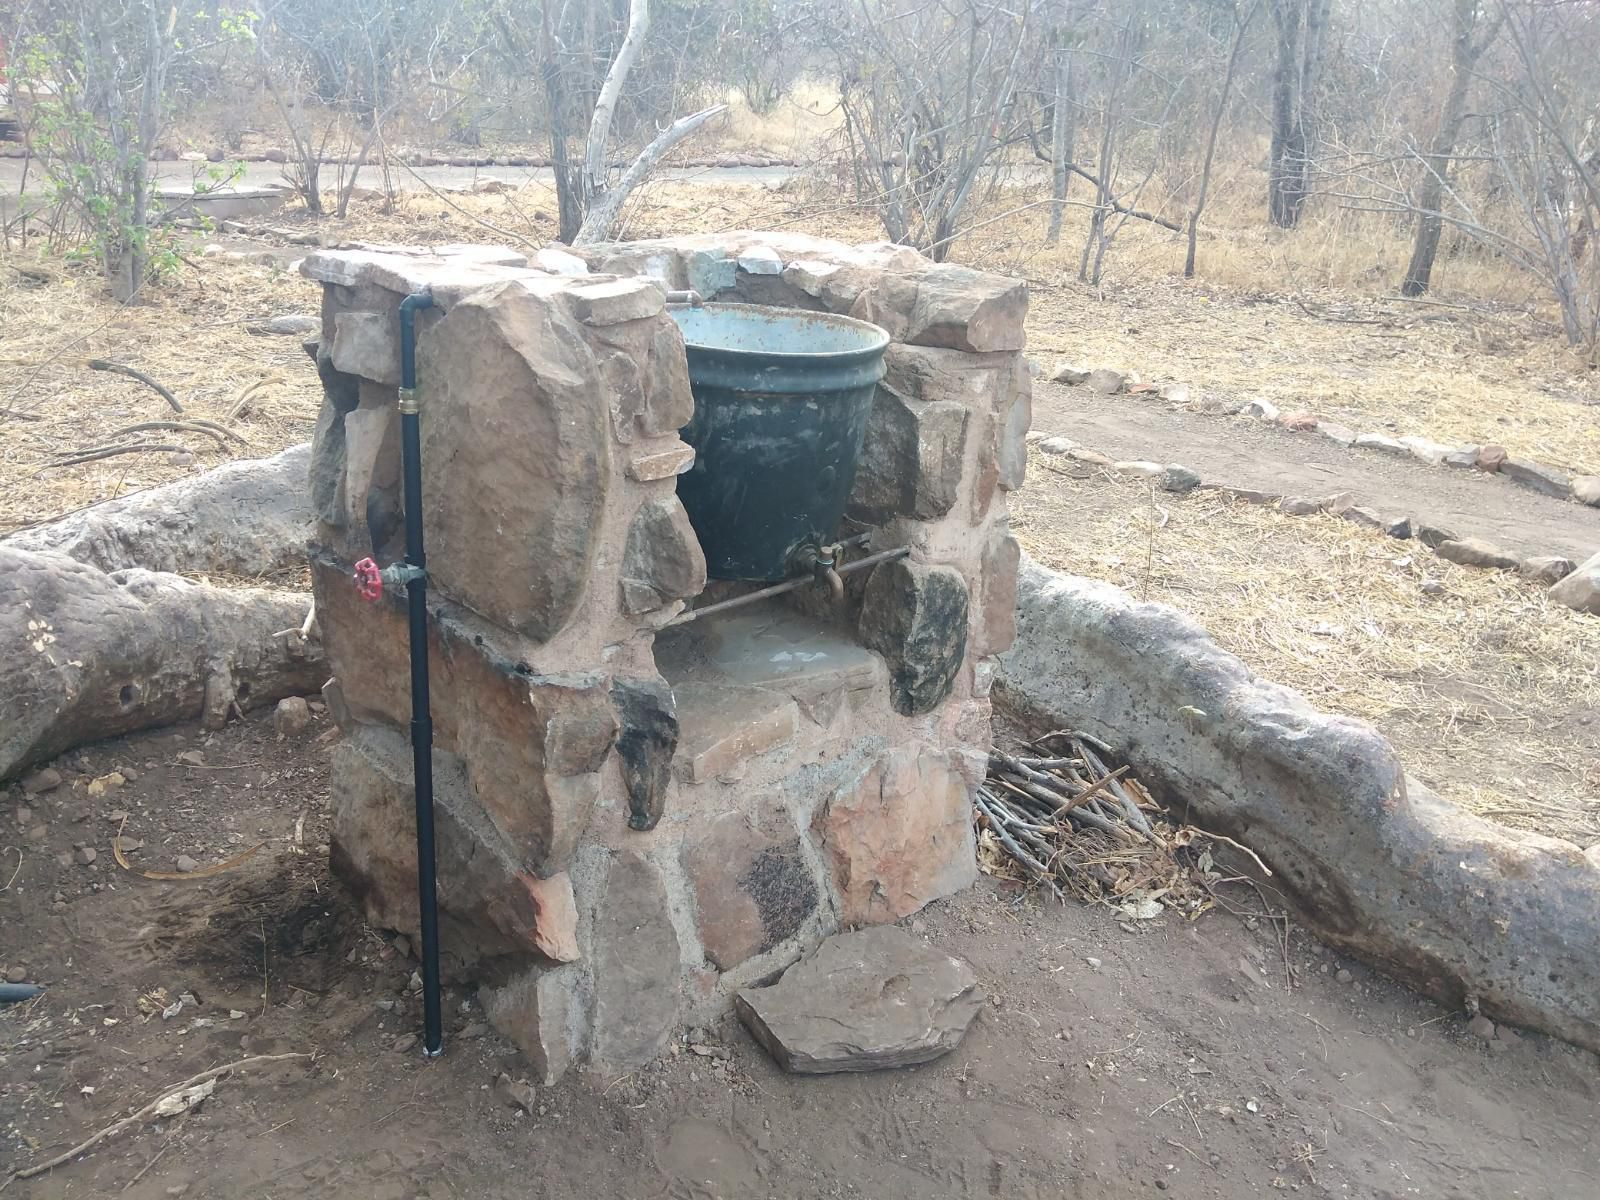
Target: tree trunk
87	655
1301	25
1436	167
248	518
1063	128
1240	28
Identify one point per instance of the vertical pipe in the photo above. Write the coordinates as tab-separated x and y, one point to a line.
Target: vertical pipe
421	721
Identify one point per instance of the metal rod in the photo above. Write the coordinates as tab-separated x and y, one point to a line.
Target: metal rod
778	589
421	719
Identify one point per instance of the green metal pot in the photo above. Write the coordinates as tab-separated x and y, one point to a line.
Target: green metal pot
781	398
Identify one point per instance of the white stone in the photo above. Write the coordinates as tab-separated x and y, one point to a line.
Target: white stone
1378	441
760	260
1265	409
559	262
1148	469
1428	450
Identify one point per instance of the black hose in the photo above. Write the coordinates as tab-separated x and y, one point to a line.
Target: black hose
421	721
15	993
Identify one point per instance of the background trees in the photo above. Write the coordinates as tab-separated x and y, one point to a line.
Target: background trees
1468	130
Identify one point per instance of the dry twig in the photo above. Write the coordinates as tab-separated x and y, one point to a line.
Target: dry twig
100	364
118	1126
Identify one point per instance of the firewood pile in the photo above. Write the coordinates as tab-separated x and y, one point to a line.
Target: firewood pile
1055	813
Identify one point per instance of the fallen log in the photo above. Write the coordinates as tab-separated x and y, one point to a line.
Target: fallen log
1469	913
250	517
87	654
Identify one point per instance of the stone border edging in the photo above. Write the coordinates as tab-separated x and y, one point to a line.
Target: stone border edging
1575	585
1380	867
1490	458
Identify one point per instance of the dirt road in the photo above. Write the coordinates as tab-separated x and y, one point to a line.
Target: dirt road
1257	454
1115	1059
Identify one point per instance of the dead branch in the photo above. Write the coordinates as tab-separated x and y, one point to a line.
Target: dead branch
210	429
117	1127
100	364
112	451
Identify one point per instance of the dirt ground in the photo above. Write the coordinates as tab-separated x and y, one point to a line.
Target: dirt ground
1114	1059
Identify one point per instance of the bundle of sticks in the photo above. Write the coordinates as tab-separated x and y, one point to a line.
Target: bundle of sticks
1062	815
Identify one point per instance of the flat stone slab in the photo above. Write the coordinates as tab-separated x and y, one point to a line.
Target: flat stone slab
768	646
865	1001
721	726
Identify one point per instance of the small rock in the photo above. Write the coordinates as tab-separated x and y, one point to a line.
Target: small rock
403	1043
1546	570
1342	435
1069	374
516	1094
1180	479
874	998
1175	393
761	260
1432	536
17	975
1056	445
24	815
186	864
1481	1027
474	1029
414	984
1475	552
1264	409
46	780
275	154
106	783
1490	457
1579	590
1537	476
1299	422
1140	467
1382	442
292	716
1400	528
1432	587
1343	976
1429	451
1299	506
85	855
489	185
1106	381
129	775
37	833
1507	1035
558	262
1586	490
64	858
1462	459
1093	962
1362	516
193	758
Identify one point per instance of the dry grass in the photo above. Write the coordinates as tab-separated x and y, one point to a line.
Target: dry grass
1490	691
793	129
190	336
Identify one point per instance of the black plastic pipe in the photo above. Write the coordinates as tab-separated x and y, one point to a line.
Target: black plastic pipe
421	720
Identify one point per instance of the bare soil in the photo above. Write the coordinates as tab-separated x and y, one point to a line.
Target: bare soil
1115	1058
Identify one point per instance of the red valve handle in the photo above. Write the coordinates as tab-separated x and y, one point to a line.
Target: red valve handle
369	581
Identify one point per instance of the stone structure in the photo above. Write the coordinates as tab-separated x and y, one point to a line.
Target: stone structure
638	817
